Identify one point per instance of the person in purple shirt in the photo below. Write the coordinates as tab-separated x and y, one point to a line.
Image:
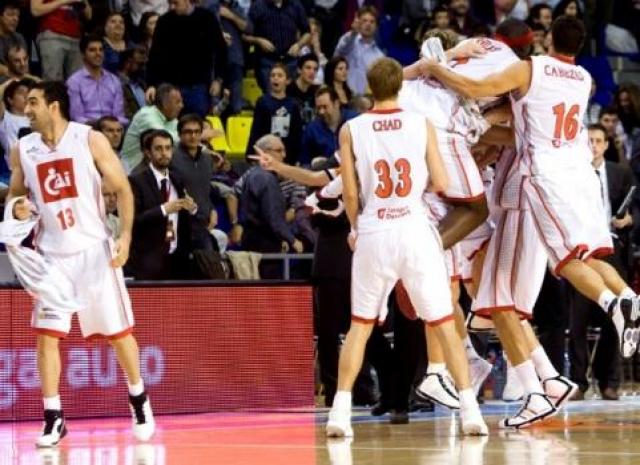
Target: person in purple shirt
94	92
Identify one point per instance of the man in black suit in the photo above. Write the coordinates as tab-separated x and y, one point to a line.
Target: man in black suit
161	240
615	182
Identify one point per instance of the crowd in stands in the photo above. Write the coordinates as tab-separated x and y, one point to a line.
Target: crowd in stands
147	73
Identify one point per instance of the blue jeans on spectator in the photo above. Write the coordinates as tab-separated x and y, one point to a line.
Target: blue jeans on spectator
233	82
264	69
196	99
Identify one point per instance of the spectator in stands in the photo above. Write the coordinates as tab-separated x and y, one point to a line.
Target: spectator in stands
303	89
147	28
280	29
627	102
60	31
9	37
542	14
441	19
113	130
161	239
17	61
188	50
320	138
314	47
142	10
616	181
262	209
359	47
610	120
115	41
461	20
352	7
336	77
235	23
163	114
12	117
568	8
193	163
131	75
538	32
111	209
93	91
277	114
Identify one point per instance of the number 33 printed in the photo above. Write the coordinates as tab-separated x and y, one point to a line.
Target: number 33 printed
385	183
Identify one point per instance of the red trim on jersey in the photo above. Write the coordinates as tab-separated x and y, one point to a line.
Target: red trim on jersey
564	58
542	236
367	321
117	282
440	321
473	254
517	41
111	337
495	259
551	214
455	278
575	254
385	112
50	332
600	252
515	260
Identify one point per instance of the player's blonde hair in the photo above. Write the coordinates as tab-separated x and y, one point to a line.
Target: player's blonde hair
385	78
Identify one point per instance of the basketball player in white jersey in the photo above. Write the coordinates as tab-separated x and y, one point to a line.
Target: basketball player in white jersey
59	168
389	157
549	95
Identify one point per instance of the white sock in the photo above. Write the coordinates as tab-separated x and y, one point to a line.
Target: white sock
468	347
605	299
544	367
342	400
528	378
436	368
52	403
467	399
627	293
136	389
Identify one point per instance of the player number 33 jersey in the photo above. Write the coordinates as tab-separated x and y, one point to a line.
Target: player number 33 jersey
390	156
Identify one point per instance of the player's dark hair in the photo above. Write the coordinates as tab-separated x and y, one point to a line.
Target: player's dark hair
55	91
567	35
598	127
153	135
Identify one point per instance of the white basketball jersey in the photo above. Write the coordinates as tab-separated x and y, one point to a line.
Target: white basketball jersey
390	150
65	186
443	107
547	120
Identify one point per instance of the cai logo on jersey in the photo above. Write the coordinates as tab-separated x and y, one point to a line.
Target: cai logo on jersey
57	180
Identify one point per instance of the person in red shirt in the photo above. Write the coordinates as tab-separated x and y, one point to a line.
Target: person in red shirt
60	28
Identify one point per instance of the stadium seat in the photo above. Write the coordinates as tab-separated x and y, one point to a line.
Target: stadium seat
251	92
219	144
238	129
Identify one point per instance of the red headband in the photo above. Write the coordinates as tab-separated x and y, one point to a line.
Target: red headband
518	41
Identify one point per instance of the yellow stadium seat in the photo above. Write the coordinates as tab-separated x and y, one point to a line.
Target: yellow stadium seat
251	92
219	143
238	130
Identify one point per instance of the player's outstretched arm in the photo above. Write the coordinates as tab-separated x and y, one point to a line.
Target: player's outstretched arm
295	173
515	77
109	165
438	178
350	183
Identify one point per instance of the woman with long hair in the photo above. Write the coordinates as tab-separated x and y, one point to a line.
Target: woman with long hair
627	102
147	26
115	41
335	76
568	8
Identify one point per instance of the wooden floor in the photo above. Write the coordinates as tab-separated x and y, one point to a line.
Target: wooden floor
588	433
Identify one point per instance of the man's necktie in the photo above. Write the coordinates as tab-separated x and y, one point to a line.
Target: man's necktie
164	190
601	186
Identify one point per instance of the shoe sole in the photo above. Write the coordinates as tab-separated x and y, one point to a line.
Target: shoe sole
426	397
529	423
53	444
629	334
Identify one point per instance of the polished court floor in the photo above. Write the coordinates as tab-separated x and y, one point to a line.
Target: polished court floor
588	432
